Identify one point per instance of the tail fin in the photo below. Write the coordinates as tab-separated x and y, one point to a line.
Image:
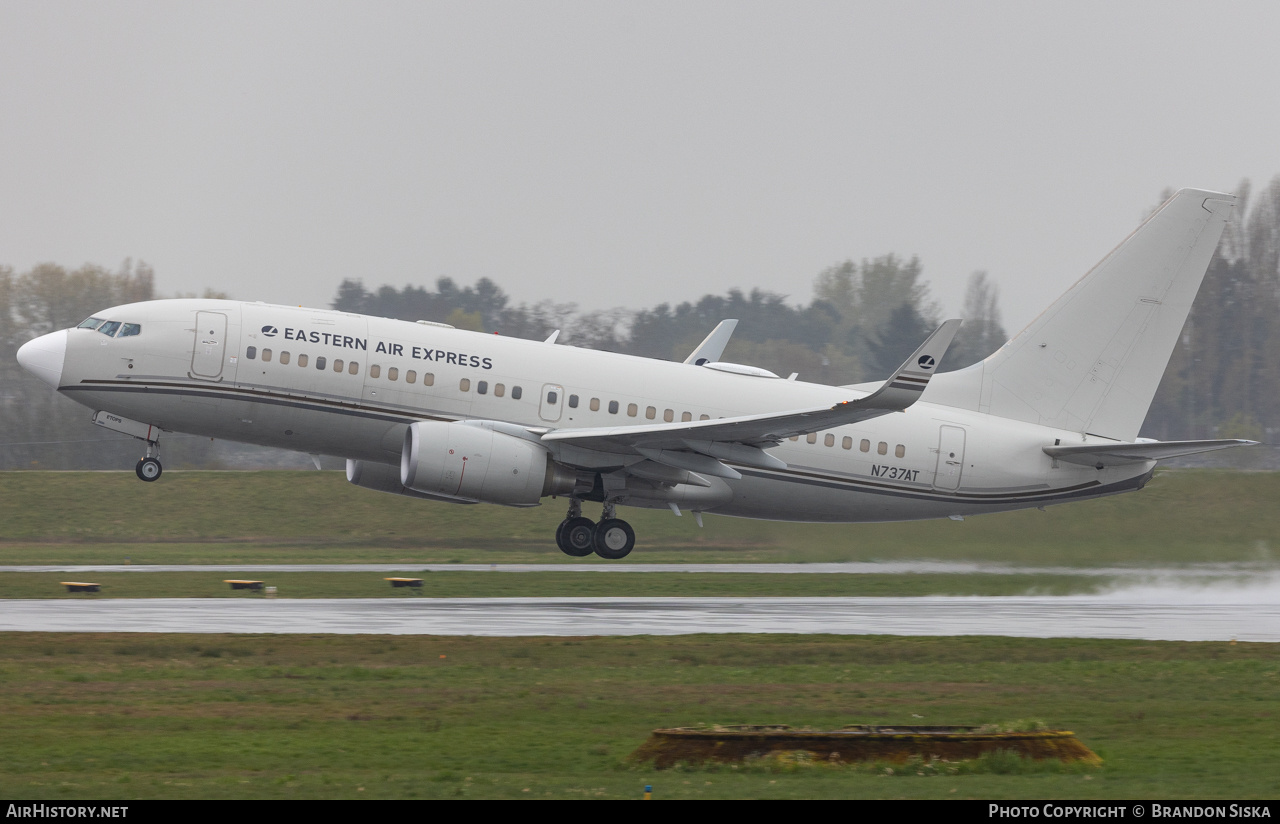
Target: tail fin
1092	361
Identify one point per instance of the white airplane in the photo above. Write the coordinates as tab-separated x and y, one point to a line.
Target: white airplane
429	411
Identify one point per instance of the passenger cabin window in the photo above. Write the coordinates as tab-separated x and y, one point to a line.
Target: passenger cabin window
302	360
410	376
686	416
465	384
668	415
613	407
428	378
266	356
882	448
573	401
320	363
899	451
251	353
499	390
651	412
828	440
516	393
90	323
847	443
632	410
284	357
552	397
595	404
812	437
794	438
353	368
393	373
375	371
708	417
864	446
483	387
129	330
337	365
109	328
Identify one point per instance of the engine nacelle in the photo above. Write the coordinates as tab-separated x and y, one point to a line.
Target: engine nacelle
385	478
478	463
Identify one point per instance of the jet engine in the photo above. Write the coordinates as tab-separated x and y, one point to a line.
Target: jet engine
386	478
477	462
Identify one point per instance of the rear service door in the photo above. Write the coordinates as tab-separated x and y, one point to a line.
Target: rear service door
208	354
950	458
552	402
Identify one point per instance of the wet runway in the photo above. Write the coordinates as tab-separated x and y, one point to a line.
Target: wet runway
1154	613
858	568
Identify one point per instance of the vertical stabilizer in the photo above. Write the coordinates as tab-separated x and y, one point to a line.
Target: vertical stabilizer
1092	361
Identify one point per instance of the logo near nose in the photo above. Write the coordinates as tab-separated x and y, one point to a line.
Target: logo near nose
270	331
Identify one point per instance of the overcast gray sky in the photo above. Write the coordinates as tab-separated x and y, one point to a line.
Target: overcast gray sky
617	154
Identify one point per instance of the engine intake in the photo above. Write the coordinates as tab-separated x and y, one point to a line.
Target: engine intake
478	463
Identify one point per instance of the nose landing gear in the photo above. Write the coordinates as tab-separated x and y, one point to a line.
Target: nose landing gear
578	537
149	468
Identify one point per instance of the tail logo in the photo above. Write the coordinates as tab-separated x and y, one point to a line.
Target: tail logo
926	362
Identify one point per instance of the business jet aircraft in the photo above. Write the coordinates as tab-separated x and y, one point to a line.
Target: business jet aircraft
429	411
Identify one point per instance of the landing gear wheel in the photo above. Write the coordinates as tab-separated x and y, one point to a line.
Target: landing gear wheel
576	537
614	539
148	469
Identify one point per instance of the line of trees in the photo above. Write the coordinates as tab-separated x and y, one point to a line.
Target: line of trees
864	318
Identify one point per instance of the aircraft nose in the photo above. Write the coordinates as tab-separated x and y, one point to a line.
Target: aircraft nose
44	356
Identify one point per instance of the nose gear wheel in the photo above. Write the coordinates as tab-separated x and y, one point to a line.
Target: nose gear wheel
148	469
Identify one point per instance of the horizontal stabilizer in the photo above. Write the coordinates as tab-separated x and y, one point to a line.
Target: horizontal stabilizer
1122	454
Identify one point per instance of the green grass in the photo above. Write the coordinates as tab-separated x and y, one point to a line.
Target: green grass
220	716
225	716
1186	516
453	584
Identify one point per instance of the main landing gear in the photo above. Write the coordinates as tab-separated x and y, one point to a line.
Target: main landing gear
149	468
612	538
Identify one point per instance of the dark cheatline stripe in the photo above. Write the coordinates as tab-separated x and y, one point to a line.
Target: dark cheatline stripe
1087	489
361	410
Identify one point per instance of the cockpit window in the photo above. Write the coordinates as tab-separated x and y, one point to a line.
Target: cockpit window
109	328
129	330
90	323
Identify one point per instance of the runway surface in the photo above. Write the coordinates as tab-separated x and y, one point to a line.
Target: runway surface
862	568
1204	614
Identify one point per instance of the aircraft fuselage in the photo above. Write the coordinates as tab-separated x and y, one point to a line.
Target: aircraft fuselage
335	383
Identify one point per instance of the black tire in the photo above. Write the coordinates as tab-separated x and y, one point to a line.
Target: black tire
614	539
576	537
148	469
